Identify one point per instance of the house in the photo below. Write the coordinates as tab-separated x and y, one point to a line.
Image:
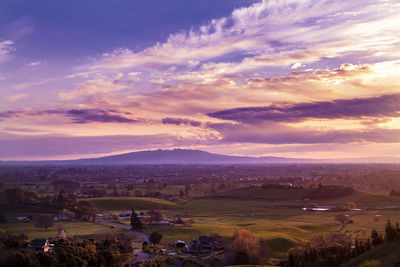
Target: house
125	214
164	222
179	244
22	219
40	245
84	196
62	234
205	244
65	215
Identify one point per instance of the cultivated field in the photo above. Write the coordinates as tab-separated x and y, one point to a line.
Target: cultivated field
253	210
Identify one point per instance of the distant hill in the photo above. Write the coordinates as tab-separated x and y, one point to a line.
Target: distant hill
182	156
187	156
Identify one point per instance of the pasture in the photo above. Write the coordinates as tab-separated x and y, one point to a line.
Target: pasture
228	212
78	229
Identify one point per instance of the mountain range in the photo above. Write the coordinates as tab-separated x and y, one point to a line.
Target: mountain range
186	156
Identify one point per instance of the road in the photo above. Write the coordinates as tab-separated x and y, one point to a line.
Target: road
143	236
140	255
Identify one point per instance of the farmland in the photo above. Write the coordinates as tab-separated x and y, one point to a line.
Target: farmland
211	204
282	228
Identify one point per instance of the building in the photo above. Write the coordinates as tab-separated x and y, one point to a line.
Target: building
22	219
40	245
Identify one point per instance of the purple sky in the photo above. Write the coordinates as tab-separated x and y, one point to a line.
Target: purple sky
310	79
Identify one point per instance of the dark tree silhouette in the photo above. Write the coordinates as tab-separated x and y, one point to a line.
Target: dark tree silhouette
155	238
136	224
44	221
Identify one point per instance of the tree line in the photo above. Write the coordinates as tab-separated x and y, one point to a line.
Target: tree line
337	248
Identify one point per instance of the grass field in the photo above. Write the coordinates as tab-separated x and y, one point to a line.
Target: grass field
260	193
80	229
288	195
280	234
128	203
248	209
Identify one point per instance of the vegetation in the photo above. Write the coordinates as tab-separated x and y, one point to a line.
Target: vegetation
136	224
155	238
185	202
337	248
126	203
106	252
248	249
44	221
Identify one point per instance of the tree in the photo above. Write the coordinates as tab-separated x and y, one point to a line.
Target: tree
138	193
157	215
2	218
377	239
351	205
115	217
343	219
44	221
213	187
136	223
15	194
85	208
155	238
245	244
31	196
187	189
390	232
66	185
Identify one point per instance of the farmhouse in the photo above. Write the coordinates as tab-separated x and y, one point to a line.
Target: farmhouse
40	245
22	219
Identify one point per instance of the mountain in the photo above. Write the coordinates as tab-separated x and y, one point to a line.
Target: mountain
181	156
186	156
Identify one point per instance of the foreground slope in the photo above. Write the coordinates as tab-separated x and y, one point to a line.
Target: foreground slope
385	255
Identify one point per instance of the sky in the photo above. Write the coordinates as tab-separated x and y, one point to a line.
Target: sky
302	79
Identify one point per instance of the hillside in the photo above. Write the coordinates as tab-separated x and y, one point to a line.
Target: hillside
384	255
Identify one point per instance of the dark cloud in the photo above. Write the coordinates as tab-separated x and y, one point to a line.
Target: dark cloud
277	134
77	115
179	121
96	115
382	106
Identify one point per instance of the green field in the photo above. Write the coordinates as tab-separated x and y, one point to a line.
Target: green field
128	203
252	209
80	229
261	193
294	195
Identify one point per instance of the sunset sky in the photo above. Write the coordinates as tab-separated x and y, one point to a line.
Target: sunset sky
304	79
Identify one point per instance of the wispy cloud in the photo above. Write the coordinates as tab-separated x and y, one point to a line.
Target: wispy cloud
287	30
5	49
16	97
101	84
